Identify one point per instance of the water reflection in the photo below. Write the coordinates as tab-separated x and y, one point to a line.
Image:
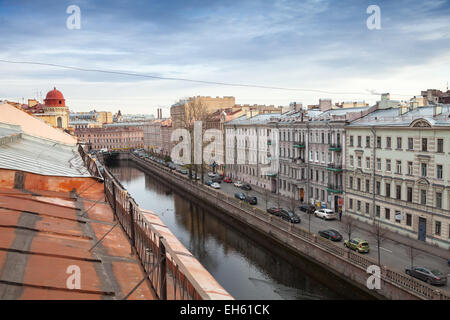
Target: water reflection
231	252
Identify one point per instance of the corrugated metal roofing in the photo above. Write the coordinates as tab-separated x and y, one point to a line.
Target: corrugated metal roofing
35	155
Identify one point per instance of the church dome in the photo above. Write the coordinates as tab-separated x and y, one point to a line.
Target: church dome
55	98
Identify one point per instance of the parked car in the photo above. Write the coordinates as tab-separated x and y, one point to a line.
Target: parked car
184	171
357	244
211	174
331	234
238	184
246	187
289	215
430	276
240	196
274	211
217	179
209	182
308	208
215	185
326	214
251	200
227	180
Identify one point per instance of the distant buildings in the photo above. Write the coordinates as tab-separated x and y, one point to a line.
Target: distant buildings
112	138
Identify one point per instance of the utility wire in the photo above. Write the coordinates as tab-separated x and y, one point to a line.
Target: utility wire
191	80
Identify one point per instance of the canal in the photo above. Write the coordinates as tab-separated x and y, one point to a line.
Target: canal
246	264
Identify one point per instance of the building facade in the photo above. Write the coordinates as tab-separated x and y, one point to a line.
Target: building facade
112	138
398	172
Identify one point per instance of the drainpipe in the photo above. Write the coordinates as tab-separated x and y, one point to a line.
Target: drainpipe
373	178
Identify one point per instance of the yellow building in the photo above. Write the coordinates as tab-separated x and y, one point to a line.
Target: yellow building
55	111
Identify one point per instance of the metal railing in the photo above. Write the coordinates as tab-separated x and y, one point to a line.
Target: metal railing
397	278
167	274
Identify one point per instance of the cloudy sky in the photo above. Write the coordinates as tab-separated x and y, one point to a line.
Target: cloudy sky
304	45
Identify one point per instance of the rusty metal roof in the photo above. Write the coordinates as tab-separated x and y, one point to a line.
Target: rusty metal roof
43	235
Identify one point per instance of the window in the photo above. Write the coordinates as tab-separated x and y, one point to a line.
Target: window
410	168
409	194
408	219
378	142
388	164
378	163
367	185
410	144
439	171
440	145
437	228
424	169
351	141
367	141
378	210
398	192
359	161
424	144
439	200
351	161
351	182
399	143
351	204
367	163
423	197
387	213
367	208
388	142
359	206
359	141
378	187
388	190
358	184
399	167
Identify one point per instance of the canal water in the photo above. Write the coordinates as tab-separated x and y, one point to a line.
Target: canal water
246	264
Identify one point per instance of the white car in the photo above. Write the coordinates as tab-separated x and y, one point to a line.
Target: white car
238	184
326	214
211	174
215	185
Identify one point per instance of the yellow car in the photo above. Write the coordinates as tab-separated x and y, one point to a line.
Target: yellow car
357	244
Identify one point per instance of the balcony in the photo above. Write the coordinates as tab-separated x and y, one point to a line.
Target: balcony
334	188
269	142
299	144
334	167
335	147
271	174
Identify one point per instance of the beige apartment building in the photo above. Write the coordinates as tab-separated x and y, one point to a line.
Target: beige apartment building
112	138
180	110
397	162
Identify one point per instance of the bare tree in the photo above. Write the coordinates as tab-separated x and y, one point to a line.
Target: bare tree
195	110
292	203
266	195
412	253
349	225
379	234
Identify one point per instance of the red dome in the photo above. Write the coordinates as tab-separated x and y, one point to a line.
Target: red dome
55	98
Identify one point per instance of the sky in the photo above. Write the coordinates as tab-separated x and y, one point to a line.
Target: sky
303	45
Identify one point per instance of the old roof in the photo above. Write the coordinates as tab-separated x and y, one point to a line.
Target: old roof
391	117
34	126
31	154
